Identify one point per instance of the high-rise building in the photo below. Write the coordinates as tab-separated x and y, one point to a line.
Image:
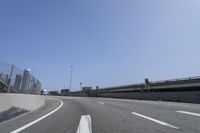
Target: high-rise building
38	87
26	80
32	85
18	81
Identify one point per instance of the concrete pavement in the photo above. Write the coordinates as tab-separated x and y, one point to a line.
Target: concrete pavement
109	116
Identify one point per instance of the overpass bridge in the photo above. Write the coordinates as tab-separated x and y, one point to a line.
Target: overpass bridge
181	84
179	90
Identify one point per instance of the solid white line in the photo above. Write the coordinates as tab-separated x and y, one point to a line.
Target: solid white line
154	120
85	124
100	102
188	113
37	120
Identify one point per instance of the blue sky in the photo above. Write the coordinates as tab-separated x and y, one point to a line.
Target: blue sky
109	42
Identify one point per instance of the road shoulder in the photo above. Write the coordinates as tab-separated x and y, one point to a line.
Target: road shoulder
50	105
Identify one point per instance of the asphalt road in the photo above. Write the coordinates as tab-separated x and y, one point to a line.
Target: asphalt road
110	116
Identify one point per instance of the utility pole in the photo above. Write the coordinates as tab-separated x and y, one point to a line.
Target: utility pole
147	84
81	86
9	81
70	86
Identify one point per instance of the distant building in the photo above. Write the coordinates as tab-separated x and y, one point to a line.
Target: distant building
97	87
33	85
18	81
26	80
86	89
65	91
53	92
38	87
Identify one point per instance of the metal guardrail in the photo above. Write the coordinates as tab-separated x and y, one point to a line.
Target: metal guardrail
177	80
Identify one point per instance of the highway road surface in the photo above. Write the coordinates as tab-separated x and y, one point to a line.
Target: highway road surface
63	114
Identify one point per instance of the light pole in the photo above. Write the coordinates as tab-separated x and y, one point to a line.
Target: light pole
81	86
70	87
147	83
9	81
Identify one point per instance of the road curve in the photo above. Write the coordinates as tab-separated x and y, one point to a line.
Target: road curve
110	116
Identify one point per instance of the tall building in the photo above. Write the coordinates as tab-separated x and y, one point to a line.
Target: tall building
26	81
38	87
18	81
32	85
35	86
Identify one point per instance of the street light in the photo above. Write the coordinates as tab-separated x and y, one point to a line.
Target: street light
71	67
147	83
81	86
9	81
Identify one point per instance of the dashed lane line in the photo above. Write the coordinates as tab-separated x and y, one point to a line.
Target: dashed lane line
154	120
101	103
85	124
188	113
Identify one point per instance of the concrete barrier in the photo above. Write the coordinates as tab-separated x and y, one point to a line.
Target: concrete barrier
24	101
186	96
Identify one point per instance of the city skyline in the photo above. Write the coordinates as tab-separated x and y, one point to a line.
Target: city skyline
18	80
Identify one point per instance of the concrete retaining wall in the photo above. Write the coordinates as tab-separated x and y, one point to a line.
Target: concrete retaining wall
189	96
24	101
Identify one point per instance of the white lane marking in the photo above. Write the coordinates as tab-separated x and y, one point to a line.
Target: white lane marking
37	120
188	113
154	120
100	102
85	124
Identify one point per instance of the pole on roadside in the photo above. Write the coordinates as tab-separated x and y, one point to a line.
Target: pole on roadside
147	84
70	86
9	81
81	86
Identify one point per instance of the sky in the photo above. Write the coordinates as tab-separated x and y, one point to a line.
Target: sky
108	42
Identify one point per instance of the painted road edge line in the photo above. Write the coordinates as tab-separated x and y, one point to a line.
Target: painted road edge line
39	119
188	113
154	120
100	102
85	124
